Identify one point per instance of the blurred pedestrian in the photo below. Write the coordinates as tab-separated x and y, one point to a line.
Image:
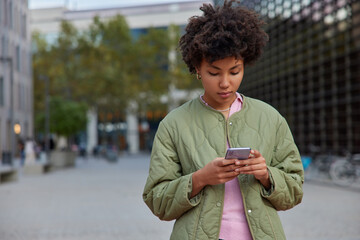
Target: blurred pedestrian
30	157
189	179
21	146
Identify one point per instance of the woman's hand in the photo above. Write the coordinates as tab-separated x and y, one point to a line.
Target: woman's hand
255	165
218	171
222	170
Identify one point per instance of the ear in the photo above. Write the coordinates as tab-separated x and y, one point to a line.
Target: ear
198	76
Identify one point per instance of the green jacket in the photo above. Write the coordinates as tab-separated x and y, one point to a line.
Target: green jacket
193	135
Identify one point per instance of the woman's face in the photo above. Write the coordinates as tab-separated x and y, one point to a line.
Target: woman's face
221	79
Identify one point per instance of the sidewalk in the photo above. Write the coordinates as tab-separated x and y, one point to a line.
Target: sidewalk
99	200
96	200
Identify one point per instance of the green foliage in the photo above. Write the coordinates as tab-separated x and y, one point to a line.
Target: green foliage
106	69
179	71
66	117
40	62
150	73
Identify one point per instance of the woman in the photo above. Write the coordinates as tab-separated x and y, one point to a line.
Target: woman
189	180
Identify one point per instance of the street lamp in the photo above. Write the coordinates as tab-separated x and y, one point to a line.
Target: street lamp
12	137
17	128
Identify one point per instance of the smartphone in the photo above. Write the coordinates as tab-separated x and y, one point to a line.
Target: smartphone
238	153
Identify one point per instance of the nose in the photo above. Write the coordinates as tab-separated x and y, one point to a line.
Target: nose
224	81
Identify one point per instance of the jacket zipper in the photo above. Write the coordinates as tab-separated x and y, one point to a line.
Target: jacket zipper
223	198
245	211
227	139
242	196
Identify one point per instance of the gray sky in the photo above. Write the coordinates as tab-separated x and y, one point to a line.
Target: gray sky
88	4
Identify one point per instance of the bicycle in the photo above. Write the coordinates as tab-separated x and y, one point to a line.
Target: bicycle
346	170
317	164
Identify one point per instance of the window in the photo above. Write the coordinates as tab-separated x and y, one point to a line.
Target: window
2	46
21	96
5	13
1	7
1	144
308	37
1	91
18	59
23	26
11	15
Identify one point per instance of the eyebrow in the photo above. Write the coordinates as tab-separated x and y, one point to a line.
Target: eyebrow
237	65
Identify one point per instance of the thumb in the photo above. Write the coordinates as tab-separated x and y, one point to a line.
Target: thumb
255	153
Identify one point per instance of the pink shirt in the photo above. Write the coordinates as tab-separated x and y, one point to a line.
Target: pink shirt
234	224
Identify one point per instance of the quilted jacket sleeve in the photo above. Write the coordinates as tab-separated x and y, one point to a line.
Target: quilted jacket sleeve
286	171
167	191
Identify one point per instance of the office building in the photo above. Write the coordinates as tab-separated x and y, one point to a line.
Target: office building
16	88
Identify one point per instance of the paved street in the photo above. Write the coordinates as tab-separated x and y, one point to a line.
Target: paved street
102	201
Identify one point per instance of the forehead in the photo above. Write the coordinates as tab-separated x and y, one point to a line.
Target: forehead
223	63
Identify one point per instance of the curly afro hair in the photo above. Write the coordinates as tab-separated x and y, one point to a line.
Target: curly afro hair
227	31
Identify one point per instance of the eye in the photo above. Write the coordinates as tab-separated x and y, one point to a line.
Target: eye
235	73
213	74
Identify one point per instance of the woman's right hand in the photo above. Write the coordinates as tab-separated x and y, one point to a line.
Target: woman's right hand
218	171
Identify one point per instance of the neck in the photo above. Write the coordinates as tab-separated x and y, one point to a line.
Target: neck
219	110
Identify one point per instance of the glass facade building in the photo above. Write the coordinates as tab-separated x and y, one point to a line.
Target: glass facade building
310	70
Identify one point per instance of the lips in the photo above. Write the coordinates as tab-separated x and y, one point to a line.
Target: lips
225	94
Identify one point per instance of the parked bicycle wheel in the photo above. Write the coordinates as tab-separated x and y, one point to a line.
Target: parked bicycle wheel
342	172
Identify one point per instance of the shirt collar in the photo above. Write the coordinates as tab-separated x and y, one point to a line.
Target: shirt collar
239	97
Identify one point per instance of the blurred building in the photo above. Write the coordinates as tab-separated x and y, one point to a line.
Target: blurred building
16	88
139	18
310	70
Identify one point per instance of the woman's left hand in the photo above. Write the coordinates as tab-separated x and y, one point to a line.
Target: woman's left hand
255	165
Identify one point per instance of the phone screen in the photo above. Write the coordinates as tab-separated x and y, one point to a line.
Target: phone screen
238	153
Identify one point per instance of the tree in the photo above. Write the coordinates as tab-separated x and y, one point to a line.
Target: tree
106	69
59	64
66	117
179	72
104	54
150	69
